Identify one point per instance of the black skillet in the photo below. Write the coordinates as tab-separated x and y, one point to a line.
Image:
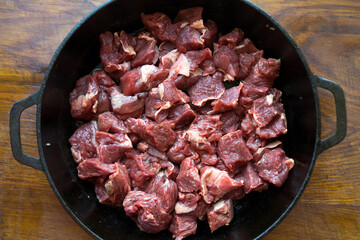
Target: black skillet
256	214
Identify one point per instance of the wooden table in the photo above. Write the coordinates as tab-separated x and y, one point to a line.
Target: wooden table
328	33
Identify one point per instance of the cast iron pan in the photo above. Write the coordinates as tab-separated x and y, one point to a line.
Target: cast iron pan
257	213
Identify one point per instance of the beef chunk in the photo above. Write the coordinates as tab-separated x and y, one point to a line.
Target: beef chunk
84	98
182	82
207	88
180	150
160	26
248	125
182	225
230	122
228	100
233	151
93	167
180	116
274	129
145	147
254	142
188	179
157	135
170	93
187	203
216	183
108	122
232	39
265	109
208	67
249	93
171	170
252	181
165	189
246	46
142	167
201	209
264	73
197	57
227	61
118	185
189	39
155	107
127	106
180	67
148	54
146	209
83	144
274	166
220	213
111	147
168	58
210	34
247	62
191	17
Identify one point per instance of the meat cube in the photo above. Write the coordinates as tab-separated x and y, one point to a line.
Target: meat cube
108	122
188	179
118	185
182	225
171	170
93	167
148	54
228	101
168	58
230	122
142	167
204	127
197	57
207	88
127	106
187	203
210	33
249	93
189	39
160	26
246	46
100	190
247	62
180	67
232	39
274	129
182	82
232	150
170	93
155	107
111	147
191	17
208	67
237	193
180	116
264	73
252	181
84	98
220	213
165	189
180	150
145	147
264	110
201	209
274	166
142	79
104	81
248	125
157	135
254	142
227	61
216	183
146	209
83	144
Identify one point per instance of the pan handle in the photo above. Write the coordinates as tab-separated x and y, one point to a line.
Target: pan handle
15	137
341	122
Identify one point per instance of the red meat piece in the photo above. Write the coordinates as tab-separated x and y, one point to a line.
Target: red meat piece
247	62
210	34
159	25
187	203
142	167
227	61
145	147
265	109
165	189
180	116
127	106
148	54
254	142
142	79
93	167
155	107
180	149
228	100
146	209
207	88
220	213
201	209
108	122
180	67
84	98
246	46
168	58
251	179
197	57
208	67
249	93
192	17
182	82
232	150
189	39
171	170
182	225
264	73
216	183
188	179
157	135
170	93
230	122
274	129
232	39
83	144
204	127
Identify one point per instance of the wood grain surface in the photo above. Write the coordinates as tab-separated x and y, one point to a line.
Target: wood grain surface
327	32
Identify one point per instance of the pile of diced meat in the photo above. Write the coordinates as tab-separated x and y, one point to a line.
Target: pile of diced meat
170	143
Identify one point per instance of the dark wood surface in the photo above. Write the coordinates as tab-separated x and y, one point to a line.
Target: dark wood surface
327	32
